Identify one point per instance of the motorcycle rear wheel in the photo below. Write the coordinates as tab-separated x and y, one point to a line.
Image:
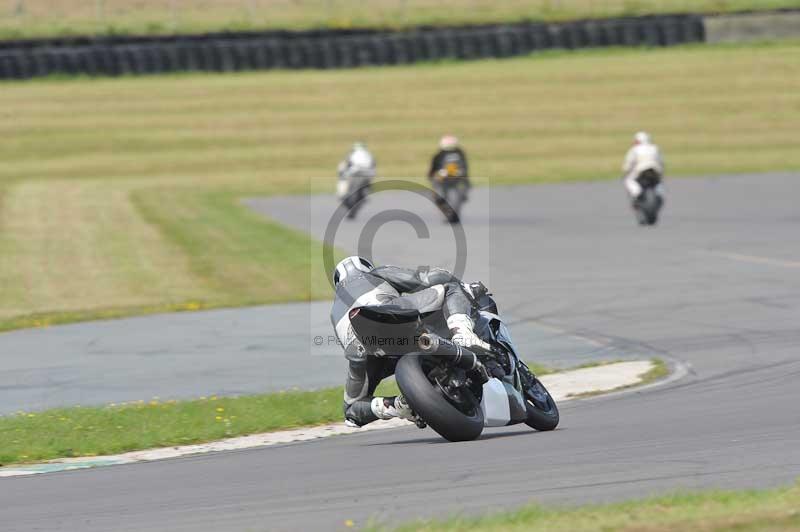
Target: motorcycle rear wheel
649	206
429	402
453	200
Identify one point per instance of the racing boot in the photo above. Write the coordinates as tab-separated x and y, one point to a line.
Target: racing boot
460	326
391	407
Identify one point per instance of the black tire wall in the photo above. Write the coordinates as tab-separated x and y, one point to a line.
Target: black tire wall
330	49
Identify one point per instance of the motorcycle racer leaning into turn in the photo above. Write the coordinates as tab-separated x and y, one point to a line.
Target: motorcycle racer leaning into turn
358	283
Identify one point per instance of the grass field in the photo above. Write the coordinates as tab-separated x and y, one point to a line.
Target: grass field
28	18
776	510
120	196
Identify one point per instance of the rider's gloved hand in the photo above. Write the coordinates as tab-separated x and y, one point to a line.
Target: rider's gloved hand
460	326
475	290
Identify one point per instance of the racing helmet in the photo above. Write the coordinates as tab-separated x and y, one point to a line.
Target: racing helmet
448	142
361	159
642	137
350	266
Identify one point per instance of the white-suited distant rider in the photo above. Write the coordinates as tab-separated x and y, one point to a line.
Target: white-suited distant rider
643	166
358	164
356	173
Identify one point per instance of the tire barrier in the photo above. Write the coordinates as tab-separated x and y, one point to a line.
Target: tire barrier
227	52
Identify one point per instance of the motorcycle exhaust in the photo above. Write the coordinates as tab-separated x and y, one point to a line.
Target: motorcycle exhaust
432	344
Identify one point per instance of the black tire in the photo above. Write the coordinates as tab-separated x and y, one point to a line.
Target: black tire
641	214
453	200
651	206
539	418
430	404
354	202
350	205
450	215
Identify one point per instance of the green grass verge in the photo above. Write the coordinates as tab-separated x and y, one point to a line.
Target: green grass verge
714	511
27	18
90	431
134	182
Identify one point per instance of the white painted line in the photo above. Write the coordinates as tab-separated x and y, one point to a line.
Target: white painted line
561	386
754	259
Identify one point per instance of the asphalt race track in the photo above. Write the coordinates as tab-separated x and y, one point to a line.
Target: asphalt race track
194	354
716	286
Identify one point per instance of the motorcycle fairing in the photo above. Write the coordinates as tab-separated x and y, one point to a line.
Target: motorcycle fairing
495	404
490	326
502	404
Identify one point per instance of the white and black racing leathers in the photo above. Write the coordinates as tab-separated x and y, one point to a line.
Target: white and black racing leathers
643	167
423	290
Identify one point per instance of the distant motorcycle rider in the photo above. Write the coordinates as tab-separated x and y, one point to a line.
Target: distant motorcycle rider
643	166
358	283
450	160
358	168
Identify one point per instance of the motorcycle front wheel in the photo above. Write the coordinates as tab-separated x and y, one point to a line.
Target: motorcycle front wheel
455	415
541	409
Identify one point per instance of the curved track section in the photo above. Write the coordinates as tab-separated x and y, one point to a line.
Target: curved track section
717	286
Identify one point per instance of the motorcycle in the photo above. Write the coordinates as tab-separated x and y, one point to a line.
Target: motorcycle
450	192
650	201
352	191
456	391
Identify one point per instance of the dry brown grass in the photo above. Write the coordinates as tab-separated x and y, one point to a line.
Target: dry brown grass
83	244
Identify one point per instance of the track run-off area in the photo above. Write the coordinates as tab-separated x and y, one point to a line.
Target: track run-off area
715	288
